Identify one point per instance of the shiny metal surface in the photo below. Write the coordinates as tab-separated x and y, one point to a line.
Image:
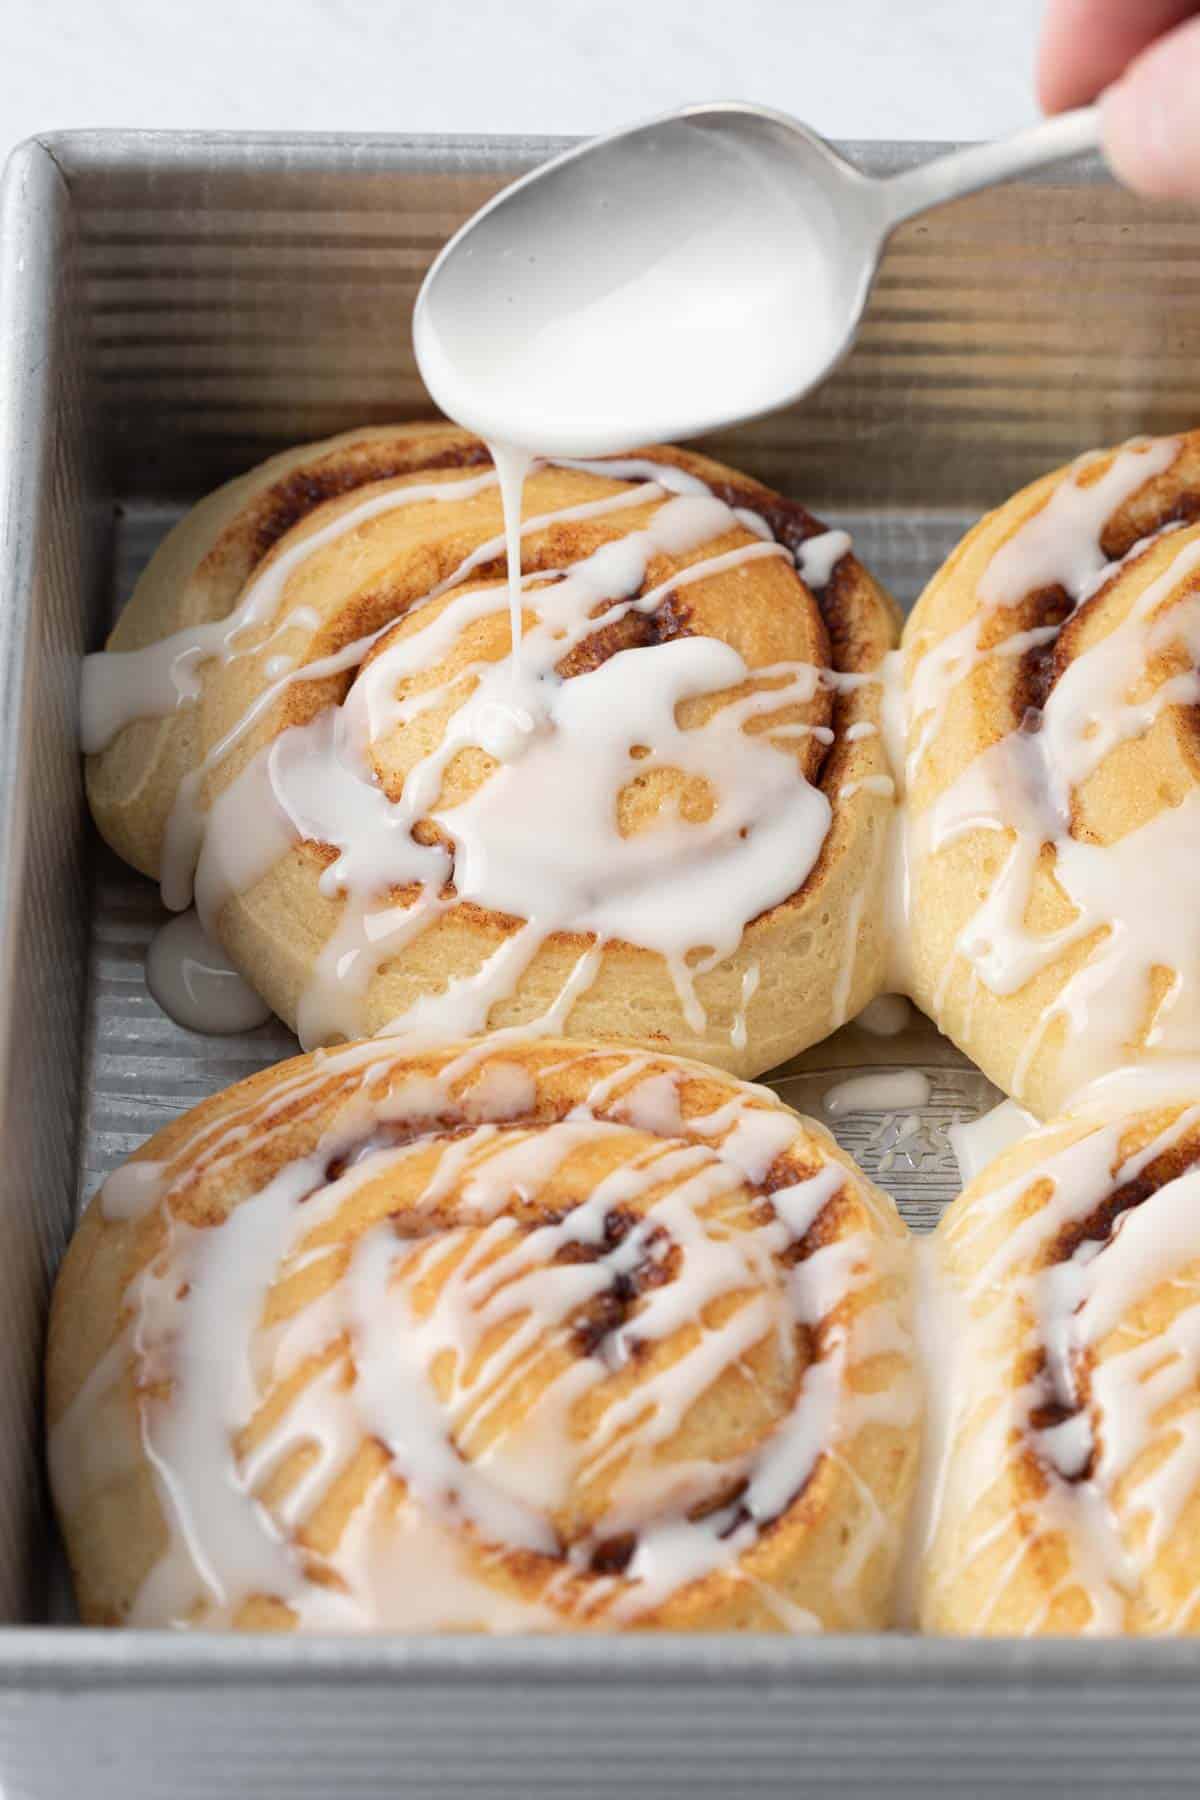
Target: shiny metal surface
171	309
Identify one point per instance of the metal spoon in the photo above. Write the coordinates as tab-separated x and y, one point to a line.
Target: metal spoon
676	276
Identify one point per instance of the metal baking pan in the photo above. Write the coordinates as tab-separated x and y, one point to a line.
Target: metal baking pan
172	308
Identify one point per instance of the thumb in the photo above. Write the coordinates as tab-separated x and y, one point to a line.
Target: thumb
1151	118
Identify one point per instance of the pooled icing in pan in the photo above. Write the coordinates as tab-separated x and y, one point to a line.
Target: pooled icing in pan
195	983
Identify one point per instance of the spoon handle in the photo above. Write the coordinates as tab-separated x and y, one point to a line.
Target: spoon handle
979	165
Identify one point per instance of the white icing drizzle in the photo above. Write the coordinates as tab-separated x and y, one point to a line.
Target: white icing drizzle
750	980
539	839
819	556
1059	546
119	686
1135	1087
186	834
979	1141
883	1090
868	784
1022	786
195	983
359	1357
645	468
1029	1309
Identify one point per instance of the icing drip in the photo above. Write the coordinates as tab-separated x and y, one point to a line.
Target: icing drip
194	982
750	980
482	1337
819	556
885	1016
977	1144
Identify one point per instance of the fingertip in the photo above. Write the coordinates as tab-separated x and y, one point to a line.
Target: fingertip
1086	44
1048	86
1057	70
1150	122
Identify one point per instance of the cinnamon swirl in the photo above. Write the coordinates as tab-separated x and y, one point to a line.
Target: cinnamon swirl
1053	776
501	1336
1068	1500
662	820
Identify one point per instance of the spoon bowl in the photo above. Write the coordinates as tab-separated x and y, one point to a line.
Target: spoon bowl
674	277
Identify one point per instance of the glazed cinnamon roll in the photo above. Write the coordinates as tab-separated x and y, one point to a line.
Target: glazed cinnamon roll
502	1336
1066	1499
662	820
1053	776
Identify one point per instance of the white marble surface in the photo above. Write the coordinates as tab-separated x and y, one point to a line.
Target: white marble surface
853	68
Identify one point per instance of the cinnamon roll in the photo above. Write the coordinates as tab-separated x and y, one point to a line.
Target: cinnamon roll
1064	1298
1053	776
494	1337
662	820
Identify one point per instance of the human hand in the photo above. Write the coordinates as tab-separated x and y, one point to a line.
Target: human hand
1145	57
